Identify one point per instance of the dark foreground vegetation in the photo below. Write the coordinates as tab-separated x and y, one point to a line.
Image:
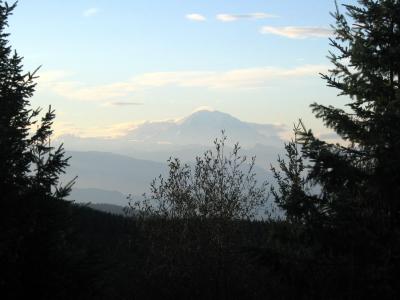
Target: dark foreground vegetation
197	235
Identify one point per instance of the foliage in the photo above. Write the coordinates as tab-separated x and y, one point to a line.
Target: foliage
193	219
292	192
219	186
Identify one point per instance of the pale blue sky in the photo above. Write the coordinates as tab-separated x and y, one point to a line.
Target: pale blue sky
257	60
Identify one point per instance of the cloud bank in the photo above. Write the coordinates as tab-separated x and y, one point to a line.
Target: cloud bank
58	82
110	131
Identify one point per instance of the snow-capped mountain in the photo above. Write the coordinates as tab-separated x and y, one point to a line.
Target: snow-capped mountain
198	129
202	127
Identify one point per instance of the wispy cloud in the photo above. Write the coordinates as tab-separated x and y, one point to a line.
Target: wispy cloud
196	17
63	129
91	12
293	32
237	17
123	103
260	77
53	75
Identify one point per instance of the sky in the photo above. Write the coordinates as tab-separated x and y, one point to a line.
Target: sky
108	65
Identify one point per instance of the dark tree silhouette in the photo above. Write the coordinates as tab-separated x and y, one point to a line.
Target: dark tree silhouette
292	192
34	220
356	211
28	161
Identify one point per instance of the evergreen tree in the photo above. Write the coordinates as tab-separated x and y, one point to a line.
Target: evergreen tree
357	209
34	221
27	160
364	174
292	193
366	68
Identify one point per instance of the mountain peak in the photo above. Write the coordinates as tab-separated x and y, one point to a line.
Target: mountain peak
208	118
201	127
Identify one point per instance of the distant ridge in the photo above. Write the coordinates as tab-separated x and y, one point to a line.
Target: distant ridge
107	172
108	208
97	196
109	178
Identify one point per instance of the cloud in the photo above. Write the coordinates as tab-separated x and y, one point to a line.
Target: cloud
123	103
237	17
237	78
91	12
111	131
196	17
53	75
260	77
297	32
202	108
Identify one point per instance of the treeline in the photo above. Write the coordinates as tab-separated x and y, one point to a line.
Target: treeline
94	255
199	234
80	253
